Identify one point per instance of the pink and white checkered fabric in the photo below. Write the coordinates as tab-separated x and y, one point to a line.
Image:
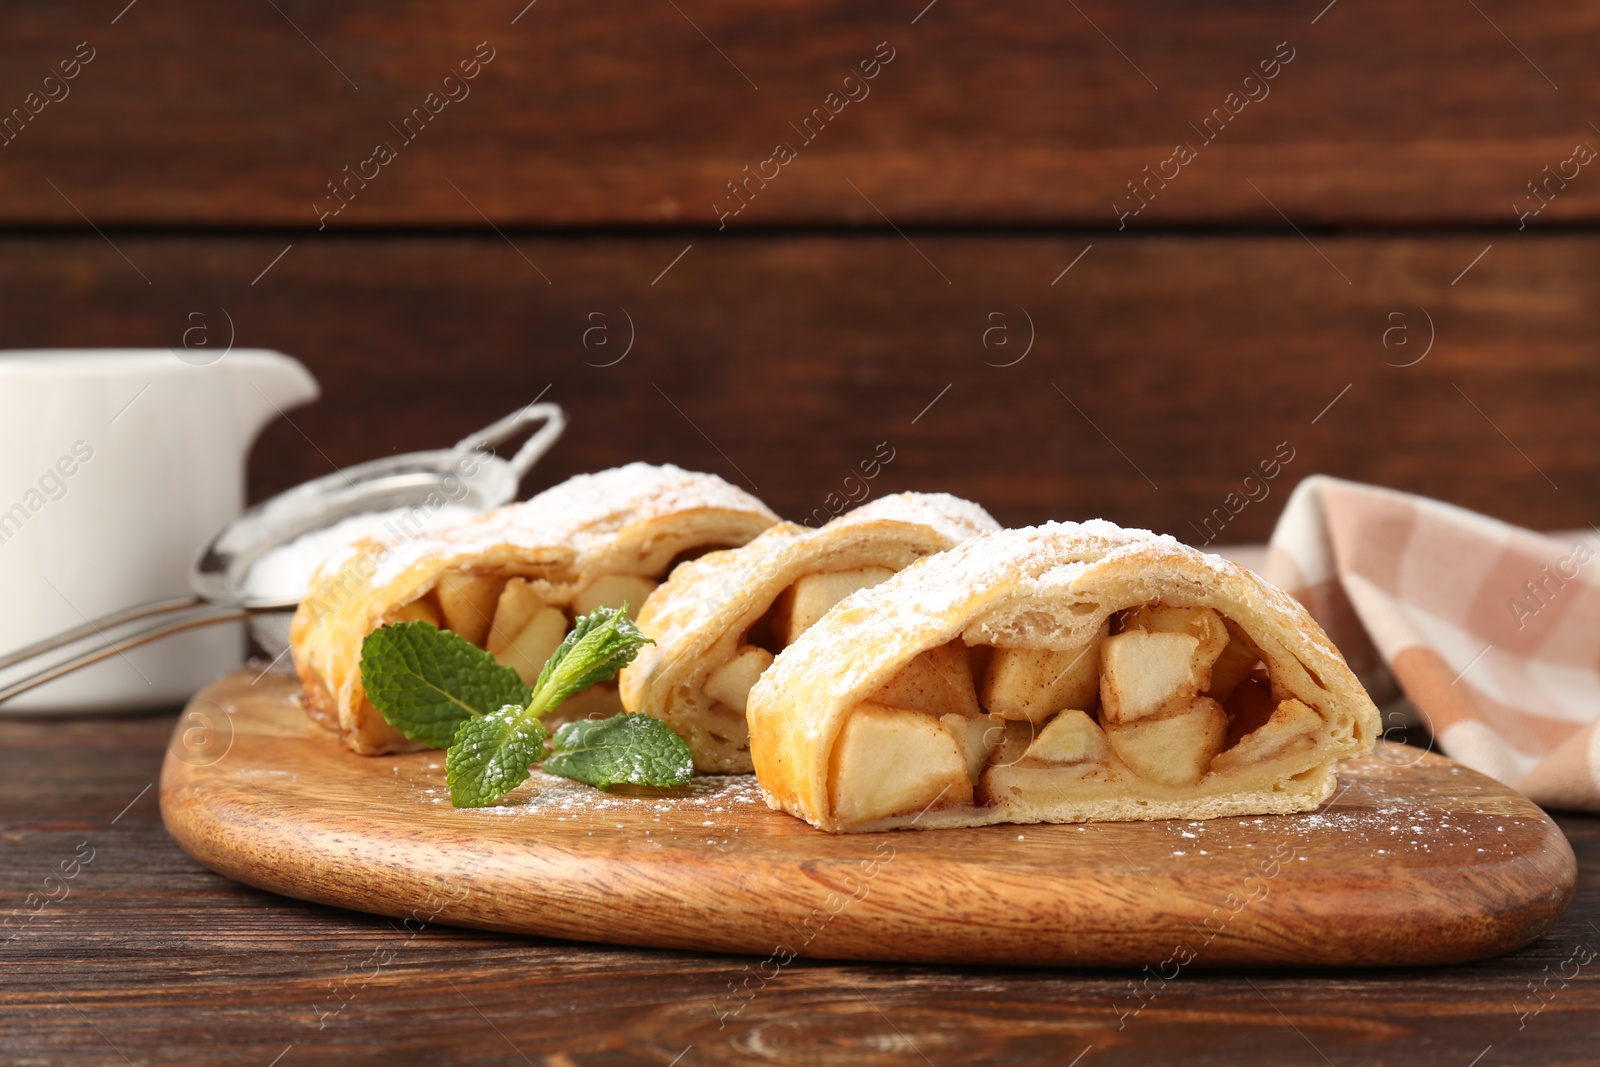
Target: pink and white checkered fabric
1491	630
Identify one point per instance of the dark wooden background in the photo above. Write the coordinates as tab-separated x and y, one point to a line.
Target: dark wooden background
863	296
907	249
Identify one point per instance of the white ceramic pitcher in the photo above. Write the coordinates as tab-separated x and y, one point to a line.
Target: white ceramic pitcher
116	467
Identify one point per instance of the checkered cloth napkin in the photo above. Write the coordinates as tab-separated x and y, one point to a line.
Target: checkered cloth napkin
1491	630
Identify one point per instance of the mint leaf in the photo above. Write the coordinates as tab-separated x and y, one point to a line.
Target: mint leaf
427	681
491	754
601	644
636	749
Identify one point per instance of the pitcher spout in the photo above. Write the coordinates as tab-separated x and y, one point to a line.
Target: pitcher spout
268	384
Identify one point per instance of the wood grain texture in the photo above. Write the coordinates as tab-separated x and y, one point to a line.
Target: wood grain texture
794	360
154	956
1422	862
1163	370
640	113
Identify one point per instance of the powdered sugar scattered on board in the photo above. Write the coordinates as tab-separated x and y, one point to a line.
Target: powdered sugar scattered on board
547	796
1391	830
1386	816
709	810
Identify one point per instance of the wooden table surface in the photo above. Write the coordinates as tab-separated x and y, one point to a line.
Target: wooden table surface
145	957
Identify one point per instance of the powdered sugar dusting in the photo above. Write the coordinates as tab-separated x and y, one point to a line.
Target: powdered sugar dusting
587	511
710	806
700	596
951	517
581	516
284	572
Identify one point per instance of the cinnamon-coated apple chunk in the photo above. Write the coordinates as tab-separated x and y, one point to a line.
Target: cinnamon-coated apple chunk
1291	730
527	652
1233	666
1015	735
519	602
1035	683
1203	624
1070	737
731	682
891	761
976	738
938	681
1143	673
799	607
417	611
468	603
1175	750
613	591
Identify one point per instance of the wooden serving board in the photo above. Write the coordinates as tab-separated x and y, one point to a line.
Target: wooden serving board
1416	860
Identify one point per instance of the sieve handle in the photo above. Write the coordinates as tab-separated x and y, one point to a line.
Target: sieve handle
554	419
91	627
180	618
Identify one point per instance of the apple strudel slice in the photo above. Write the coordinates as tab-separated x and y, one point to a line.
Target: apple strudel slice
719	620
510	580
1061	673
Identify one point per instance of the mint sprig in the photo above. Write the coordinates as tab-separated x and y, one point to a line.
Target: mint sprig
635	749
427	681
436	687
601	644
491	755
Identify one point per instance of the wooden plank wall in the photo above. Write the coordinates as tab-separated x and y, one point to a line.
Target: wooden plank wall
946	256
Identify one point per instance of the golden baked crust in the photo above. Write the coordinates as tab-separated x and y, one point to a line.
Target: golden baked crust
631	520
703	615
1060	586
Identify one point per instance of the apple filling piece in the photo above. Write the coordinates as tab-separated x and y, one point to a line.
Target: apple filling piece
1034	684
894	761
1290	731
1071	737
522	621
939	682
977	737
731	682
796	610
803	604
